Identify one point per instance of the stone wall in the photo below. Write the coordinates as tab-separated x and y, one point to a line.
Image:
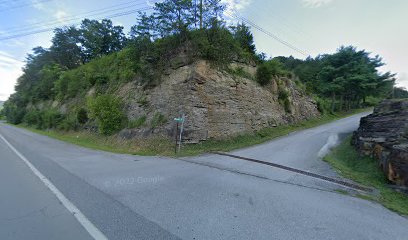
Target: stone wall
384	136
217	104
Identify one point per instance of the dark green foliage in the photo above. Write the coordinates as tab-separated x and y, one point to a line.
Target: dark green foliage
243	35
283	94
98	38
14	110
33	118
44	89
107	111
283	98
82	116
43	119
158	120
263	75
106	72
400	92
70	122
65	49
218	45
347	77
267	70
287	105
322	105
50	119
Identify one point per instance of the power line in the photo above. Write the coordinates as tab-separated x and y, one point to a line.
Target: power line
24	5
236	16
72	17
9	57
8	1
52	28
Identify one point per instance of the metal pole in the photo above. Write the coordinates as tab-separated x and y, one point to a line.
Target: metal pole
181	131
175	147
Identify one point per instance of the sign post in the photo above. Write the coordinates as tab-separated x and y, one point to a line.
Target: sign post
180	137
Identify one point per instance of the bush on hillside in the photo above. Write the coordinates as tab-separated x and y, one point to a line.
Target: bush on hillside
43	119
82	116
269	69
107	111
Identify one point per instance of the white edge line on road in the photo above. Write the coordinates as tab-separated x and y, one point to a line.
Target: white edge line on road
88	225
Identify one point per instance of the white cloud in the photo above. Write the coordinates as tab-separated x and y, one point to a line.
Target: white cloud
235	5
316	3
402	79
60	15
38	5
10	71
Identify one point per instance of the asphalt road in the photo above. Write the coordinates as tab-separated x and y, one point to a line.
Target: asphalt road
205	197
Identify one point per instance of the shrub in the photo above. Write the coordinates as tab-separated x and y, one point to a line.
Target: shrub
268	69
322	105
107	110
283	94
82	116
263	75
14	114
50	118
158	120
45	119
287	105
32	118
137	122
68	123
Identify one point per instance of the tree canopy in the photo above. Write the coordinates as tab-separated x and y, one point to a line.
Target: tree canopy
97	54
347	77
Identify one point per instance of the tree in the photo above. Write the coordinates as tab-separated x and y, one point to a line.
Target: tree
107	110
212	13
400	92
243	35
44	89
145	27
350	76
66	48
174	17
100	38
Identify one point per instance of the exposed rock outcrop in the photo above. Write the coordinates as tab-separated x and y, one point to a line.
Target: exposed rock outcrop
217	104
384	135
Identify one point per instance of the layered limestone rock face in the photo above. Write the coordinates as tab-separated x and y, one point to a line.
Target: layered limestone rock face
384	135
216	104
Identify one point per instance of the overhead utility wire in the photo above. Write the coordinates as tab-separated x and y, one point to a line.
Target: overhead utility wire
73	17
51	29
23	5
236	16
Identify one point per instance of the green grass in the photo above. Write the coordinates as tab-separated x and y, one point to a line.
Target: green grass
165	147
366	171
145	147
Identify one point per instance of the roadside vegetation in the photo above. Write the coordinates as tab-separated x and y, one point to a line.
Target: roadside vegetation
165	147
72	86
365	170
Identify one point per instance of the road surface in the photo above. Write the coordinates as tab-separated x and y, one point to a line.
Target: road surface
204	197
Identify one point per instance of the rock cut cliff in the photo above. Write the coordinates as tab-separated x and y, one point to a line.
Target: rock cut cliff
384	135
216	104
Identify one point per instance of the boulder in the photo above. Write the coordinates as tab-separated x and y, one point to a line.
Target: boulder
384	136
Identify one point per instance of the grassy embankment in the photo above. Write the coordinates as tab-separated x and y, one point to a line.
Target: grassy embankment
159	146
365	170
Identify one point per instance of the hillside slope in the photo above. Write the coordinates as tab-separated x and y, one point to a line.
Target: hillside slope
216	104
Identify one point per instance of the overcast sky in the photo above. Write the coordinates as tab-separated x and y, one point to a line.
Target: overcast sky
312	26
